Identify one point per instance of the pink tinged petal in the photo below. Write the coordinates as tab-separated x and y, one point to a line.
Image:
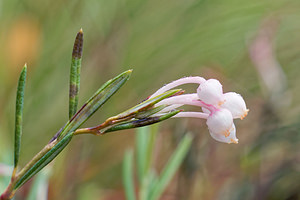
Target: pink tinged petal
220	122
211	92
192	115
169	108
186	99
235	104
181	99
182	81
221	138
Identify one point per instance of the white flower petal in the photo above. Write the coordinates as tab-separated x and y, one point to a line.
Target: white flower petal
220	122
235	104
211	92
221	138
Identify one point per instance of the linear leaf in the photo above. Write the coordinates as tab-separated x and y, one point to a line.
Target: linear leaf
171	167
75	73
19	114
128	176
148	103
43	161
149	112
140	122
95	102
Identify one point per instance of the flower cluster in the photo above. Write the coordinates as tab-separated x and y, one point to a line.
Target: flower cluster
219	109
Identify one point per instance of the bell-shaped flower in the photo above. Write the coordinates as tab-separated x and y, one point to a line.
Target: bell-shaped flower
235	104
219	109
220	122
231	138
211	92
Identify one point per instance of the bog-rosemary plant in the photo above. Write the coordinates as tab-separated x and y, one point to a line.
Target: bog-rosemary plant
219	109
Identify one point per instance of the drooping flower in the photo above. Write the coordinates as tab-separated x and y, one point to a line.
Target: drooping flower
235	104
222	138
220	122
211	92
219	109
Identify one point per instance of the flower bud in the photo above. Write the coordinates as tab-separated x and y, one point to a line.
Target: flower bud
211	92
221	138
235	104
220	122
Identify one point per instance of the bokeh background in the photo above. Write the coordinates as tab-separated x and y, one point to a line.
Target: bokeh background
252	47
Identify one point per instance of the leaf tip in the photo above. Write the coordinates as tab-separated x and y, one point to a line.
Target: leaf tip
129	72
78	45
25	67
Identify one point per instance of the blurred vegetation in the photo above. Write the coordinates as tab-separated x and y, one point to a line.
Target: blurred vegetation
161	41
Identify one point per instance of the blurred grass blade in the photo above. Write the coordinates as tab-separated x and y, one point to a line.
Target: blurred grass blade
147	185
171	167
142	138
43	161
148	103
147	175
75	73
140	122
95	102
128	176
19	114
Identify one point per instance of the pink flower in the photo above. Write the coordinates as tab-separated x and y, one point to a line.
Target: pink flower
211	92
235	104
220	122
218	109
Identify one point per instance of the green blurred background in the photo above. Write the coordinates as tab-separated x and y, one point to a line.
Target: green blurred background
252	47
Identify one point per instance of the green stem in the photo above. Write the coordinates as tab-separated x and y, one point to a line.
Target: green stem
10	190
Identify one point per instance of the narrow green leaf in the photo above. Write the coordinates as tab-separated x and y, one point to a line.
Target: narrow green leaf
128	176
45	160
75	73
95	102
171	167
19	114
140	122
147	104
149	112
